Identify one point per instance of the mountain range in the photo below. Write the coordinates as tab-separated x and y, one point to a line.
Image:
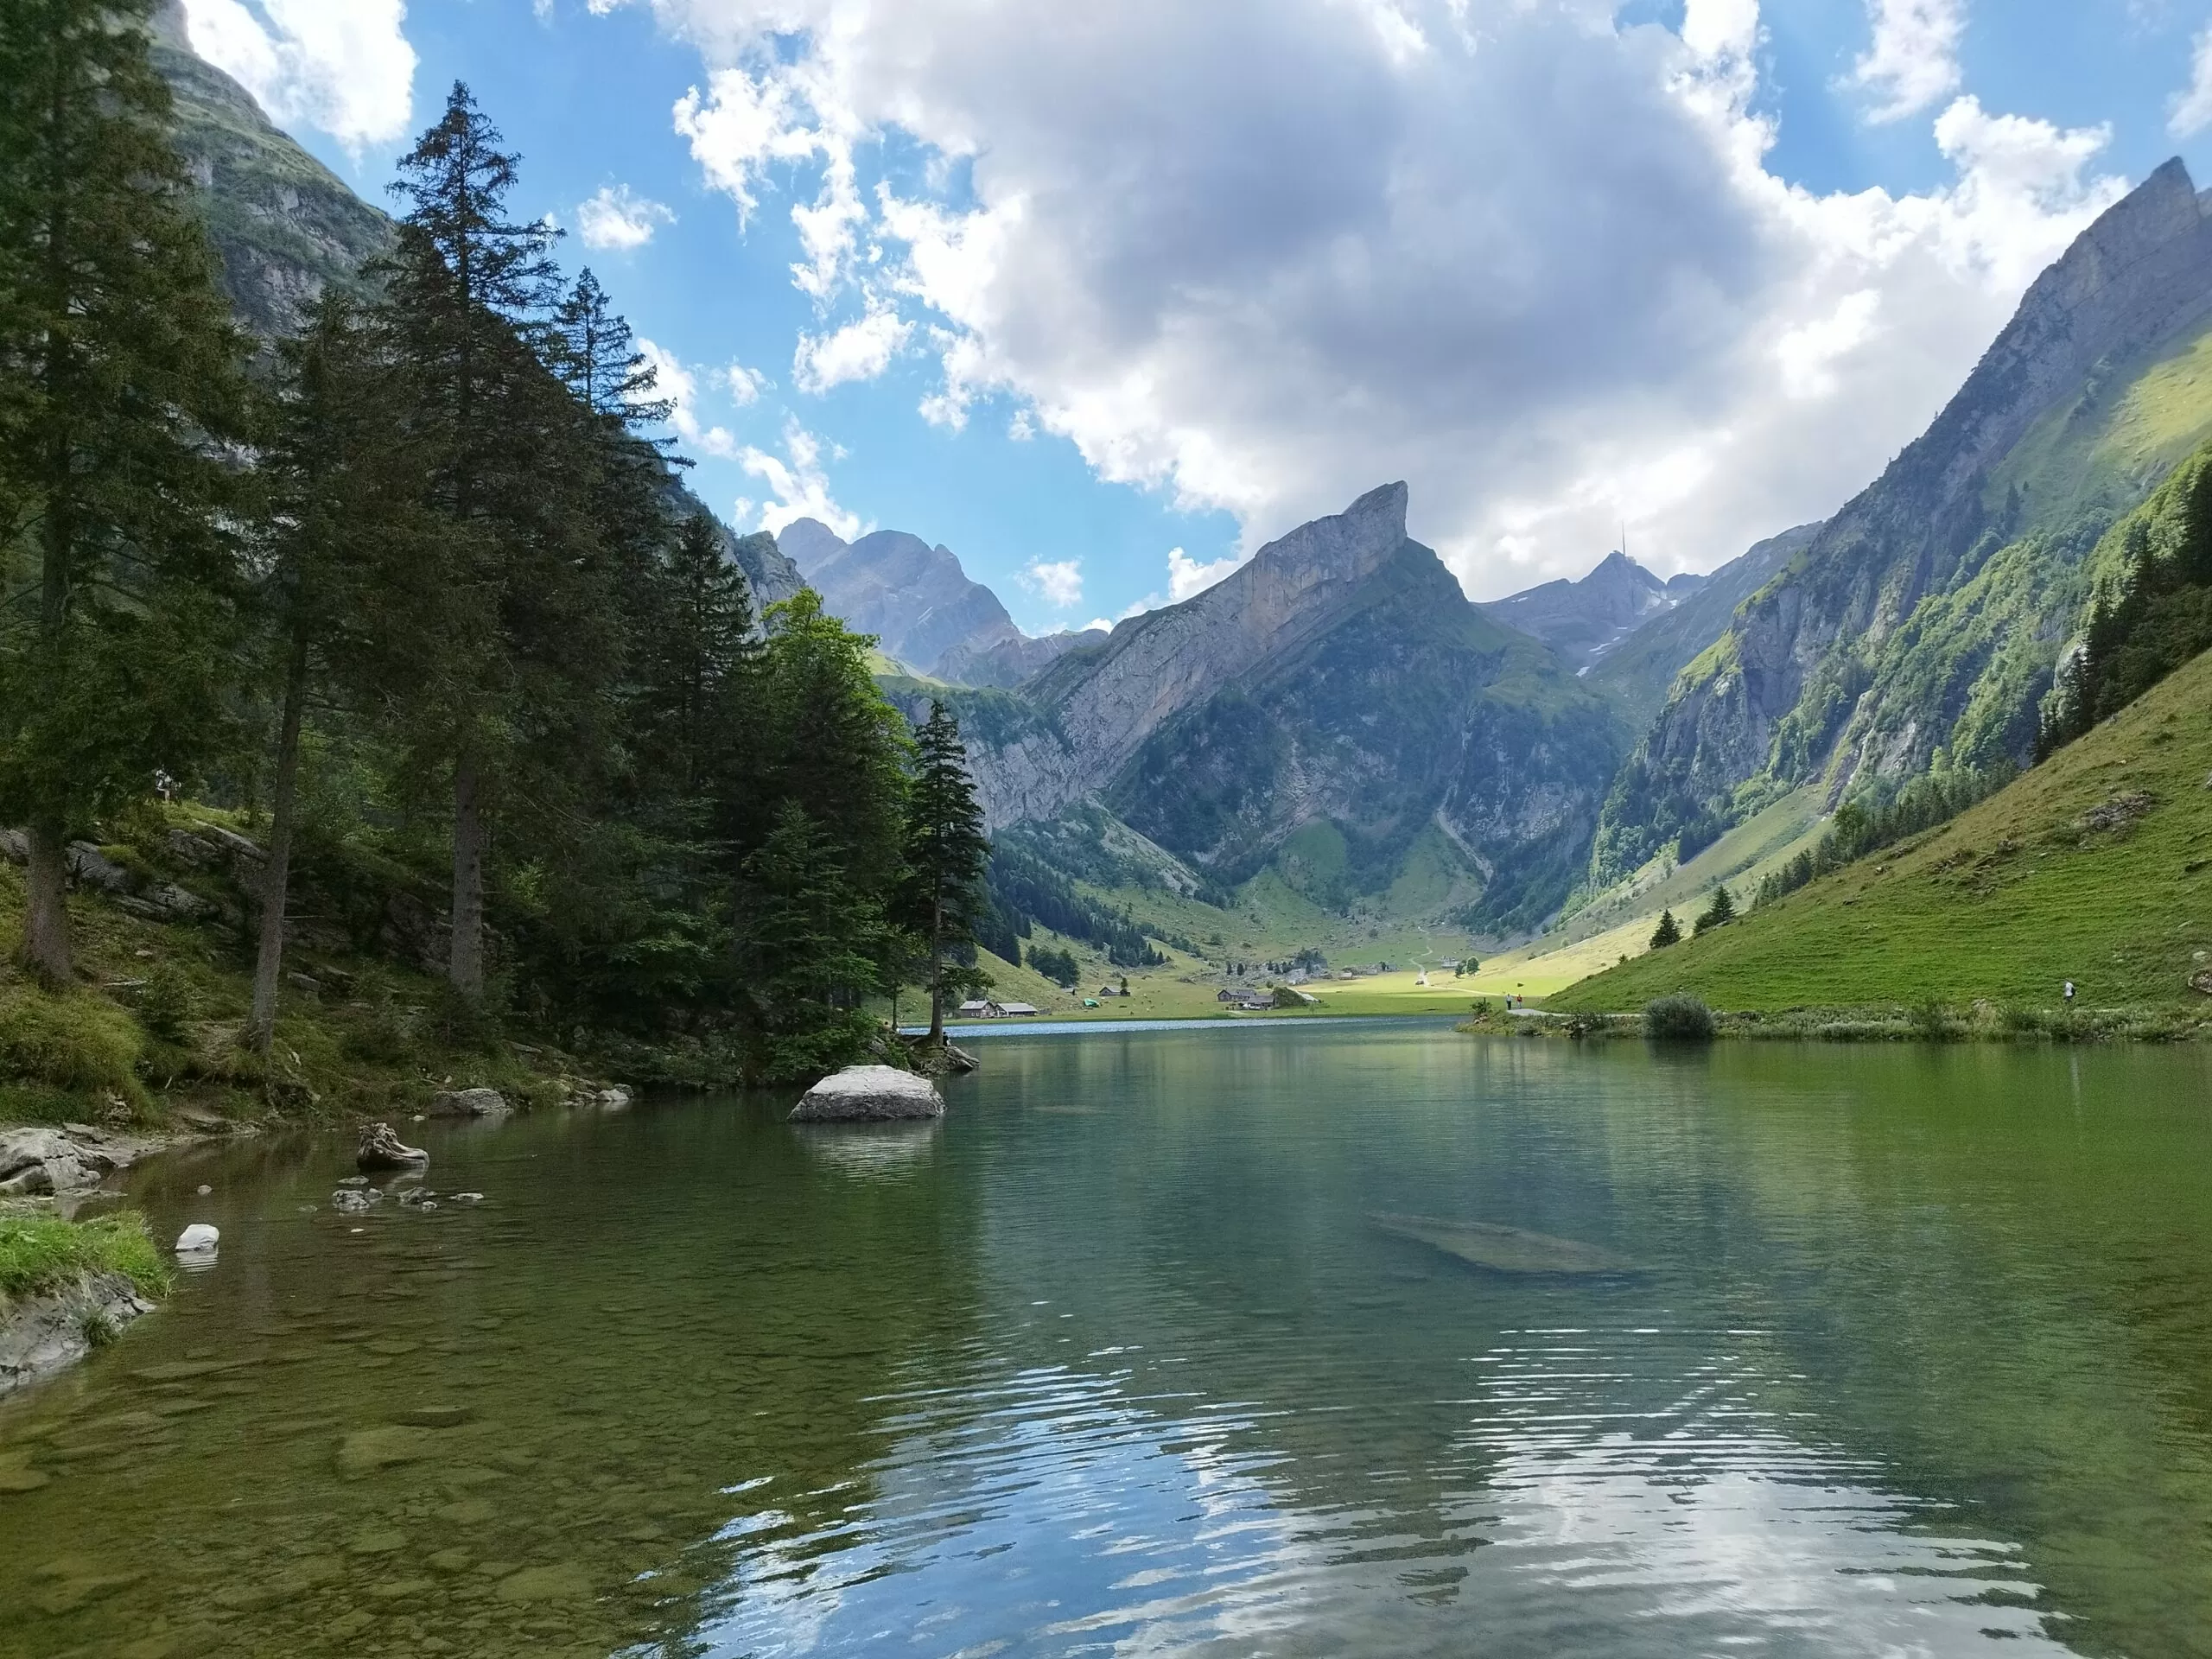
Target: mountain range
1337	715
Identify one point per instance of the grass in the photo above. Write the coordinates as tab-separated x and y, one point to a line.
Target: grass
154	1024
40	1253
2095	866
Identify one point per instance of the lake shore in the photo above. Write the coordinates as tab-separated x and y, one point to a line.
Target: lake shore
1929	1023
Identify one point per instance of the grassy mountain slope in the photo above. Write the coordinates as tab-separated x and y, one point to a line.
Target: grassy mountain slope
1924	621
1339	758
1640	669
2096	866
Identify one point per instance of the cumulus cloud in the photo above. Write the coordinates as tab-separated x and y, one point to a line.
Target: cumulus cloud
2191	110
343	66
798	487
1058	584
618	219
745	385
680	386
1332	249
1187	576
859	351
1913	63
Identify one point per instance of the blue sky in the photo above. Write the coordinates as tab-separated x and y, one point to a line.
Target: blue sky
1089	290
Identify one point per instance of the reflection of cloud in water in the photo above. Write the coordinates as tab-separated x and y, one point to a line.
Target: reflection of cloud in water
1049	1512
870	1151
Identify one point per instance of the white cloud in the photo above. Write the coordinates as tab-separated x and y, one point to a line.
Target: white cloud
343	66
1058	584
1187	576
681	388
859	351
798	486
617	220
1021	429
1913	63
2191	111
1332	249
745	385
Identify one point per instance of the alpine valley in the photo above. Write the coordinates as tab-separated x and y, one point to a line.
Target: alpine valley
1333	744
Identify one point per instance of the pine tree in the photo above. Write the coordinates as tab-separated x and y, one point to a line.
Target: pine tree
1719	913
943	897
118	385
1669	931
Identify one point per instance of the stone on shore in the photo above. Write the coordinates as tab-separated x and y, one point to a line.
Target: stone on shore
383	1149
469	1102
868	1094
42	1334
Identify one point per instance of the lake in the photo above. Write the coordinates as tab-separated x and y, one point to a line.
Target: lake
1347	1339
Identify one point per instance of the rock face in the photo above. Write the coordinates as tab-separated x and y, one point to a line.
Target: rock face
1327	706
1583	621
42	1334
1011	662
914	598
1930	613
867	1094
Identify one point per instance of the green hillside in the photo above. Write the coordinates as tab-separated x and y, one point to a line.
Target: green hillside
2096	866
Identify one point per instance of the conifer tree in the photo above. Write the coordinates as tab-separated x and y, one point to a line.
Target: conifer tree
810	941
696	662
119	385
465	295
943	897
1669	931
338	467
1719	913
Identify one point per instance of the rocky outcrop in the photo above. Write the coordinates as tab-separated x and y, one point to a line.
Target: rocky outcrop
915	599
1583	621
1011	662
470	1103
1928	612
868	1094
37	1161
43	1334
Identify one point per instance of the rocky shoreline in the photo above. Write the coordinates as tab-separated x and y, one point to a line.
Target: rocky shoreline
41	1335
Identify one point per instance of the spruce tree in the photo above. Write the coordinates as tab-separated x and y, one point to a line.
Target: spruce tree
1669	931
1719	913
119	385
466	296
337	465
809	944
696	662
943	897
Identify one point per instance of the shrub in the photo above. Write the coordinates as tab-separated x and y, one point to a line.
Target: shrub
1931	1021
168	1002
1678	1018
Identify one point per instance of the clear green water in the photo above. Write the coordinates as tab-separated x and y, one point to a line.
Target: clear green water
1912	1354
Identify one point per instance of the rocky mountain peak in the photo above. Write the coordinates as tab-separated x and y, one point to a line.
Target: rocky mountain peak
809	542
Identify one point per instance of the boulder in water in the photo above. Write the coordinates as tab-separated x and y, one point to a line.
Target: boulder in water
198	1238
869	1094
383	1149
469	1102
1504	1249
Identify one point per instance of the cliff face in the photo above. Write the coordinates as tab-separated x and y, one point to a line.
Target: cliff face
1922	622
1331	704
283	225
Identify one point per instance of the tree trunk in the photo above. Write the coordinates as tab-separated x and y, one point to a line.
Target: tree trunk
261	1027
936	969
45	917
466	965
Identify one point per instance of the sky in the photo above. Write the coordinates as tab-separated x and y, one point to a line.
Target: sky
1105	297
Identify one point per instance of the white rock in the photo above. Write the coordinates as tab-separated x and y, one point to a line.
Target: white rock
197	1237
863	1093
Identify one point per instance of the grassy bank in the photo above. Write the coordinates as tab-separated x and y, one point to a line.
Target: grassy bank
42	1253
150	1033
1979	1022
2095	866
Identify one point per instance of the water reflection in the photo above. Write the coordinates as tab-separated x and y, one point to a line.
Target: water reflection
1915	1356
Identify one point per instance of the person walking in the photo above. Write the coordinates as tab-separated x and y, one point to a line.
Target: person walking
2069	996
